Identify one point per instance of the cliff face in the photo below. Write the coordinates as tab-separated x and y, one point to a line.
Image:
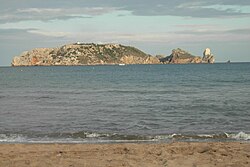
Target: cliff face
180	56
84	54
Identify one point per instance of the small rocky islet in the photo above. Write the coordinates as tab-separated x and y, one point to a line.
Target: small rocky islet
103	54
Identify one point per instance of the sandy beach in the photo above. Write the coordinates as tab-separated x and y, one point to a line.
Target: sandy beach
233	154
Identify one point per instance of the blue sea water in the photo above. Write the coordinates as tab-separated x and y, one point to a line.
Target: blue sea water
192	102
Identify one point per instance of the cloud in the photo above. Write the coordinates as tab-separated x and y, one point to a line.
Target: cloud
240	31
208	30
182	36
47	14
30	34
201	33
204	34
14	10
191	8
56	34
66	11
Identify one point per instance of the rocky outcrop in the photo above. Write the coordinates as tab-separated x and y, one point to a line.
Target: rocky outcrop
84	54
180	56
34	57
208	57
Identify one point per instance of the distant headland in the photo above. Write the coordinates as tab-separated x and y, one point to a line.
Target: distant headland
103	54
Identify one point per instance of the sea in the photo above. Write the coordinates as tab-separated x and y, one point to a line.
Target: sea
129	103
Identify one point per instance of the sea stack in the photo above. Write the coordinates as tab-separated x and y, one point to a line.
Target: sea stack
208	57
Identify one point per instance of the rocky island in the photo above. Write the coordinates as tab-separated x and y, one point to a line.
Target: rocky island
101	54
180	56
84	54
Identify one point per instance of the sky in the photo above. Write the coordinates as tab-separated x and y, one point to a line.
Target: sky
154	26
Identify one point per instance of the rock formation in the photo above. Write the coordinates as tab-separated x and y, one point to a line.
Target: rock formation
207	56
180	56
84	54
100	54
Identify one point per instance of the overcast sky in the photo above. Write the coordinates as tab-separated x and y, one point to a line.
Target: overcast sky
154	26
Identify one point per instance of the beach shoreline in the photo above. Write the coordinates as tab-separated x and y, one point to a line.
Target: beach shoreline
126	154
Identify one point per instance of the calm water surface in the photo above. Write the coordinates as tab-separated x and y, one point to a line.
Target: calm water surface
125	103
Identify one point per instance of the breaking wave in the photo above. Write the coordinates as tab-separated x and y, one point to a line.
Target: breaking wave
89	137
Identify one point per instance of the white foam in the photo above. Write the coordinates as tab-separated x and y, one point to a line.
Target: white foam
92	135
206	136
163	137
240	136
102	138
12	138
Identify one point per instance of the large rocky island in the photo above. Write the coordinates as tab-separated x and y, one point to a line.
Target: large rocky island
84	54
101	54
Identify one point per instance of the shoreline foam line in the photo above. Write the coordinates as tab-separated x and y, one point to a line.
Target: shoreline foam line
87	137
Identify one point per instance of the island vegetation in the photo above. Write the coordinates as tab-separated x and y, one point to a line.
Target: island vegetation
102	54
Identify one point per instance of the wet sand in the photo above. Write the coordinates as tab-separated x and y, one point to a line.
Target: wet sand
176	154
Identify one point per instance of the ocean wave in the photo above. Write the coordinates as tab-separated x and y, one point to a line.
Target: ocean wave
12	138
201	137
240	136
109	136
93	137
